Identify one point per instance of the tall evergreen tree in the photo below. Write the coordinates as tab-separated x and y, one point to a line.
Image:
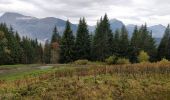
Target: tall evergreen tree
14	47
28	51
164	45
4	51
134	45
147	43
56	36
67	45
168	53
47	52
103	40
55	40
124	42
142	40
116	43
82	44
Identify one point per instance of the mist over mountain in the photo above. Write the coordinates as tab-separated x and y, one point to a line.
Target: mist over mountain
41	28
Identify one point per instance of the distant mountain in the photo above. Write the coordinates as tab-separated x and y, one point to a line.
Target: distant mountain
157	40
130	29
34	27
42	28
115	24
157	30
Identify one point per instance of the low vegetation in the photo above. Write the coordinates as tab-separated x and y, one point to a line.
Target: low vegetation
81	62
143	57
123	61
111	60
148	81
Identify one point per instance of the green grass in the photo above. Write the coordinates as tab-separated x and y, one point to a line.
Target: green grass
15	72
18	66
20	75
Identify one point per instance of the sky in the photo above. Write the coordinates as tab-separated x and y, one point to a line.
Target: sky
129	11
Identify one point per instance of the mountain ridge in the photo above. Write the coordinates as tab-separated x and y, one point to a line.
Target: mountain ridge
41	28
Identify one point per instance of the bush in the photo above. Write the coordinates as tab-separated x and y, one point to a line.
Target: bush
143	57
81	62
111	60
164	61
123	61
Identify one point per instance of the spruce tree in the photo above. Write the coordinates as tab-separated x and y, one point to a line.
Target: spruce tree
67	45
14	47
134	45
168	51
164	44
124	42
142	40
56	36
4	51
103	40
47	52
147	42
55	40
82	43
116	43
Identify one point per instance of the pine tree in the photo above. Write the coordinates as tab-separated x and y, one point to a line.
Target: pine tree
134	45
31	51
56	36
116	43
47	52
14	47
168	51
147	42
124	42
103	40
142	40
109	35
67	45
82	43
55	40
163	46
4	51
40	53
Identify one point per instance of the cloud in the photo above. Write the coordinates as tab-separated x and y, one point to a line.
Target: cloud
129	11
5	1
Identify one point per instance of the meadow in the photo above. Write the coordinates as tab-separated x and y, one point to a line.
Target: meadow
91	81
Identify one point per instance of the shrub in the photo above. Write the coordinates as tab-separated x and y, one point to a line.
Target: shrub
123	61
164	61
111	60
81	62
143	57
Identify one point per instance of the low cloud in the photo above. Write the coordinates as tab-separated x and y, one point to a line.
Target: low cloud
129	11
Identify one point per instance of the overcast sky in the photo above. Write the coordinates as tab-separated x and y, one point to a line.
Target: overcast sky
129	11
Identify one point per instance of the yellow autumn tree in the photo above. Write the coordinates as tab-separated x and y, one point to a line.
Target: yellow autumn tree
143	57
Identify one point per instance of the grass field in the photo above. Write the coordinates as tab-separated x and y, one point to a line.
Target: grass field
86	82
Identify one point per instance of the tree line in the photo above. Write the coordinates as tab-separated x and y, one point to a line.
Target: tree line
16	50
105	43
97	46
